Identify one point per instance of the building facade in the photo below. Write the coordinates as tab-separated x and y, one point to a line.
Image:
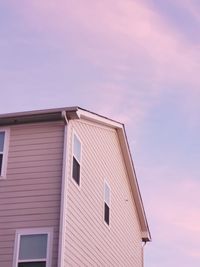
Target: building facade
68	192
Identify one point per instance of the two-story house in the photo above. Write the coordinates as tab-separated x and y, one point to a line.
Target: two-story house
68	192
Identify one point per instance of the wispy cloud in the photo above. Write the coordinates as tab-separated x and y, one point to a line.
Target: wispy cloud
174	209
130	43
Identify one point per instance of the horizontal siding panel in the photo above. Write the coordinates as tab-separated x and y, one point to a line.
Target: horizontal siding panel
83	254
92	249
38	147
6	258
36	169
35	128
30	196
120	243
30	199
32	175
33	164
5	244
97	236
7	233
28	181
36	152
30	215
31	222
27	212
32	142
39	191
28	205
6	263
73	259
30	187
35	158
6	251
39	135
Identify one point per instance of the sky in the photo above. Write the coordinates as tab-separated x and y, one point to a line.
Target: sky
136	61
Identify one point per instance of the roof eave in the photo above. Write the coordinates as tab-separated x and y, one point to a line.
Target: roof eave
38	116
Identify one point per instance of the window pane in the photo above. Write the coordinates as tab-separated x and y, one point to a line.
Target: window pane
2	137
107	194
76	171
33	247
32	264
77	148
1	161
106	213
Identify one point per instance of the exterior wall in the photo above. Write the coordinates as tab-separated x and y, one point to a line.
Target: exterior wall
89	241
30	196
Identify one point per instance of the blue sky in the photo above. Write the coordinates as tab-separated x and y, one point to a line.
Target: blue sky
135	61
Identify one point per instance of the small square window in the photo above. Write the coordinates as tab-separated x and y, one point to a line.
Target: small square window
76	159
32	248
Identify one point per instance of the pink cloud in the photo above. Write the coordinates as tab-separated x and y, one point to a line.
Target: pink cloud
125	39
174	209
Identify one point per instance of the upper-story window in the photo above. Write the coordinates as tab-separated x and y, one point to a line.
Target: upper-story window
106	203
33	248
76	165
4	134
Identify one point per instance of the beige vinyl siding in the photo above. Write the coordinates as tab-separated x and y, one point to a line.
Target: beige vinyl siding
89	241
30	196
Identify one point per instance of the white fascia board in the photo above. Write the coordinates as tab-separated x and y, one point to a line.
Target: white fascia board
83	114
134	184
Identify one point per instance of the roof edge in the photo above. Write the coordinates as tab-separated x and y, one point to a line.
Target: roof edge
38	116
91	116
146	235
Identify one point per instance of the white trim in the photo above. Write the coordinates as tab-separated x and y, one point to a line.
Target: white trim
33	231
5	152
134	184
83	114
63	206
79	161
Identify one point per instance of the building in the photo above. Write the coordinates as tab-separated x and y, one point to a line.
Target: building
68	192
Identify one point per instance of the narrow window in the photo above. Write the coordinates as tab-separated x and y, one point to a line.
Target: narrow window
76	159
106	203
3	152
32	249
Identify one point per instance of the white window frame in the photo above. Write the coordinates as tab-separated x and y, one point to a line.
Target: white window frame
108	204
79	161
5	152
33	231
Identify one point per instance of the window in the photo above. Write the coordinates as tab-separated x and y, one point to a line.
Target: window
76	159
32	248
106	203
3	151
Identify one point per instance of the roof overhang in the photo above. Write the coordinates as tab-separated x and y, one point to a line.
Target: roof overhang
68	113
38	116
